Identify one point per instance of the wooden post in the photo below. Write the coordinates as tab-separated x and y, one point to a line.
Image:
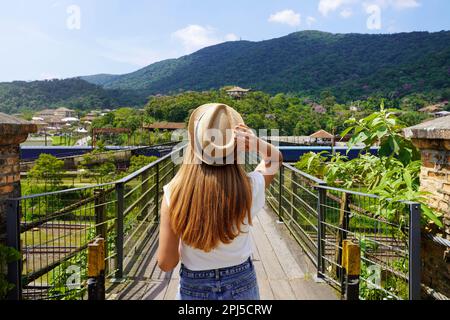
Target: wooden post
101	228
351	262
96	270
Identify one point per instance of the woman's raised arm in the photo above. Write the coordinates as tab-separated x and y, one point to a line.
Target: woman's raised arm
272	158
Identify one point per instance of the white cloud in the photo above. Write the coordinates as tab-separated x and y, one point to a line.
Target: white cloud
346	13
231	37
49	76
398	4
404	4
310	21
327	6
288	17
195	37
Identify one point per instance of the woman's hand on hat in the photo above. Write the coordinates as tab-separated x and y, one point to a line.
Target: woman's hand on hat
244	136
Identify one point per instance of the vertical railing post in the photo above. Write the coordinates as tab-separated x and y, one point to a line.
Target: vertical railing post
294	188
414	252
13	241
344	223
280	194
173	170
321	200
144	190
157	192
119	230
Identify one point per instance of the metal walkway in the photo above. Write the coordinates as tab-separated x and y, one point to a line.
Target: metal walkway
284	272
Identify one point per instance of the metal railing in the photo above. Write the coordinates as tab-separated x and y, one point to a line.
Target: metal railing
321	217
52	231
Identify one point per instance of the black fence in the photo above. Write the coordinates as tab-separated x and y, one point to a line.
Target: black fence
320	218
52	231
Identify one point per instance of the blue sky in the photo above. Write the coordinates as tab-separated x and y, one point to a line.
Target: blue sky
42	39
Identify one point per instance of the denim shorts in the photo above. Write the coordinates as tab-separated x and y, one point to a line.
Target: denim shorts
232	283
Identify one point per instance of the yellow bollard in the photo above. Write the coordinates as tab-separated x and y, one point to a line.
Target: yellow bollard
96	270
351	262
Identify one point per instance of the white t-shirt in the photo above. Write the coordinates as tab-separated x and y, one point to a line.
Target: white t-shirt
225	255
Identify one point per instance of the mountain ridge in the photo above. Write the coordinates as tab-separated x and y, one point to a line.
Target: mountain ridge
306	63
304	58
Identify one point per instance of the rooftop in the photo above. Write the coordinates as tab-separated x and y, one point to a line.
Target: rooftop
322	134
432	108
238	89
64	109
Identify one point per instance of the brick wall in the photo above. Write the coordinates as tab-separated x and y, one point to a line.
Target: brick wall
13	132
435	179
9	180
433	140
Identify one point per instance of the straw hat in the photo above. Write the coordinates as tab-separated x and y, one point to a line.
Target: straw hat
211	133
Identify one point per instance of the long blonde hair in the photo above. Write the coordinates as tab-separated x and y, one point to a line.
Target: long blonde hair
209	204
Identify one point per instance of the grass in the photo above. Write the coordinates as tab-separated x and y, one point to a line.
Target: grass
63	141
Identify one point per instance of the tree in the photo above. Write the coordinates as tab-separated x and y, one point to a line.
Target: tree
48	169
411	118
138	162
106	171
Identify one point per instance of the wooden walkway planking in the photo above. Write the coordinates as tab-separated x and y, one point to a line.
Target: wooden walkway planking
284	272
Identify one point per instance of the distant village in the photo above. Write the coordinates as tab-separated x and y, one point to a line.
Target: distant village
62	122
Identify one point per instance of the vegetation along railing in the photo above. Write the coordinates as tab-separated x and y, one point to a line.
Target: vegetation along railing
320	218
52	231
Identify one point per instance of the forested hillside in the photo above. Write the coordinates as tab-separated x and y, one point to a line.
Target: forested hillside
77	94
290	114
349	65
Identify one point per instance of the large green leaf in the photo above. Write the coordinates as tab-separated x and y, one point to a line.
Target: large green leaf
346	131
432	216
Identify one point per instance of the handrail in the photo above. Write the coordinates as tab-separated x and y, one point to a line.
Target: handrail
32	196
123	180
356	193
304	174
361	194
443	242
321	184
143	169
